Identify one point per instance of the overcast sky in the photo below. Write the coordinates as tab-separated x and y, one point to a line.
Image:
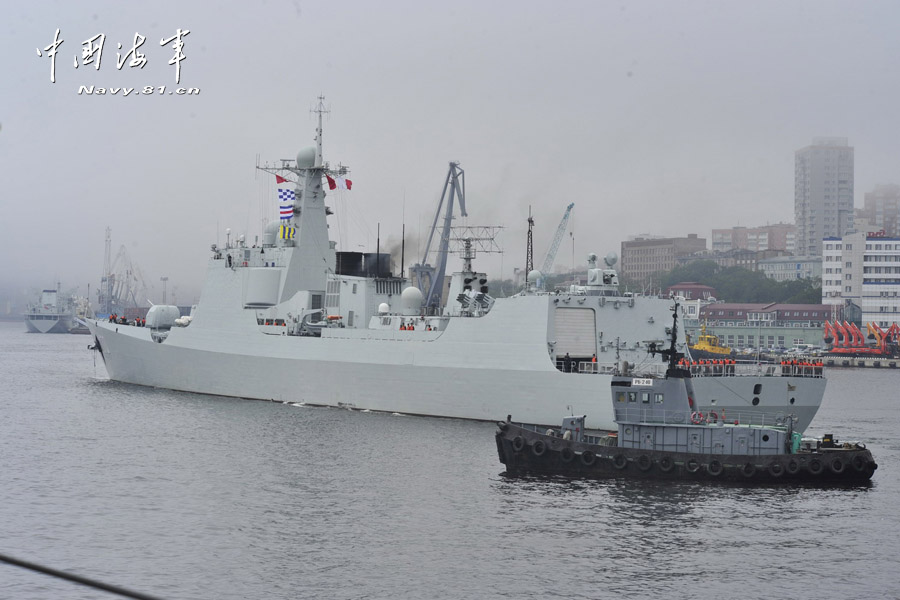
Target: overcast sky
652	117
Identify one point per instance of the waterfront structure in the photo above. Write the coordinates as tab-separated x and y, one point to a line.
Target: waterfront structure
863	269
823	193
751	325
788	268
643	256
780	236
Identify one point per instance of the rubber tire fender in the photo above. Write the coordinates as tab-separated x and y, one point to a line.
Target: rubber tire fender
748	470
859	463
837	465
792	467
692	465
666	464
815	466
644	462
588	458
714	468
538	448
566	454
619	461
518	443
776	469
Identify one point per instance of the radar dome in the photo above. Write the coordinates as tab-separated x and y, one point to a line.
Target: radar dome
535	275
610	259
383	308
411	301
306	158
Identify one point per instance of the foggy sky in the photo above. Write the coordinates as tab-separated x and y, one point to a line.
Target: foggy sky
652	117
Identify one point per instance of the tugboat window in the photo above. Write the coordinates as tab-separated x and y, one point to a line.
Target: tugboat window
645	397
659	398
620	396
632	396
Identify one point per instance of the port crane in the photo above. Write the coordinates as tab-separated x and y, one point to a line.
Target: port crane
554	245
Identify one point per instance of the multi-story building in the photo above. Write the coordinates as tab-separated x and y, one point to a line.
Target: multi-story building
882	210
863	269
787	268
823	193
781	236
736	257
642	257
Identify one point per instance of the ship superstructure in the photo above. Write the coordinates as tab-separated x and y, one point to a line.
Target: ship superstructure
292	319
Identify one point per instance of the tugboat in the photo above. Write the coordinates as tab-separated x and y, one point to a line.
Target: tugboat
708	347
662	434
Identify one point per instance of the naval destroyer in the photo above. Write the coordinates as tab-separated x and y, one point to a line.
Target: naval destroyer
292	319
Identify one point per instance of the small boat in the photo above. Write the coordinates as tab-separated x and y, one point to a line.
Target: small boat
662	434
708	347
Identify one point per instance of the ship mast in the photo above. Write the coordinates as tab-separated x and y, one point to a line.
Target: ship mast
321	110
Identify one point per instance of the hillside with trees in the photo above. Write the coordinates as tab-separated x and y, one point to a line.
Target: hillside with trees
736	284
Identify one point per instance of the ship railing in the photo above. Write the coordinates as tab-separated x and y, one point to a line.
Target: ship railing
711	417
741	369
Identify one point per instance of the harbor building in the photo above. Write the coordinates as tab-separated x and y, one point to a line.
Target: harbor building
748	326
862	269
823	193
644	256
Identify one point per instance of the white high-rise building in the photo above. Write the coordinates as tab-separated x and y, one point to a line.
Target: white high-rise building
823	193
864	268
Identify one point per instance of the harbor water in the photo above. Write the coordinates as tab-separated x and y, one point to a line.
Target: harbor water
188	496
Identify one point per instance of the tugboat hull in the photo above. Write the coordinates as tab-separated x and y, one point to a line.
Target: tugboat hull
524	451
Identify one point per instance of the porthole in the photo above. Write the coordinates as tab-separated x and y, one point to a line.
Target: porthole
765	437
756	401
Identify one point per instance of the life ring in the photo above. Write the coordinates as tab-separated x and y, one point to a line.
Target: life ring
566	454
518	443
792	467
538	448
776	469
714	468
713	416
815	466
665	464
588	458
692	465
644	463
620	462
696	417
859	463
748	470
836	465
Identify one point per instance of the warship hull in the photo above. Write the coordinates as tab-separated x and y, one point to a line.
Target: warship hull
477	368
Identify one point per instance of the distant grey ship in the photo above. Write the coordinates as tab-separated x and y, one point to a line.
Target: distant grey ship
293	320
52	313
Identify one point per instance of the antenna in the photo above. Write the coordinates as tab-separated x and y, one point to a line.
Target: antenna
529	248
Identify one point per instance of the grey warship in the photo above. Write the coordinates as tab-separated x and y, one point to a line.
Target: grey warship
663	434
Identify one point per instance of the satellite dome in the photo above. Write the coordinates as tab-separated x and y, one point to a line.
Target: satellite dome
306	158
383	308
610	259
410	301
535	275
